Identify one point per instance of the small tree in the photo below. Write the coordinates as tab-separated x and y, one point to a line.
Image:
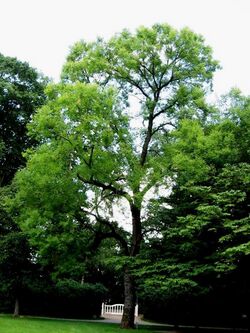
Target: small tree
105	132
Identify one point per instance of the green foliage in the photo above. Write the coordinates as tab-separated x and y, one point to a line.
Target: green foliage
130	116
15	266
150	52
71	288
65	299
85	128
21	93
106	137
160	290
52	170
202	234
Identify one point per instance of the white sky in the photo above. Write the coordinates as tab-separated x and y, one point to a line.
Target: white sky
41	31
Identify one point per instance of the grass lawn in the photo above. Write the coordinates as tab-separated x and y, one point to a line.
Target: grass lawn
36	325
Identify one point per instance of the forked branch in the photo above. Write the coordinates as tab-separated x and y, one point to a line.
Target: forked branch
114	232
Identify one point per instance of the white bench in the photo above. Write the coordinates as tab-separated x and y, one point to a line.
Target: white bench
115	309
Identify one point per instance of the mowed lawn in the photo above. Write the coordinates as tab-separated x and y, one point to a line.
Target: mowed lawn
36	325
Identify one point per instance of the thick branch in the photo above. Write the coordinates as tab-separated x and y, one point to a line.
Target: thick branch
91	156
88	163
145	76
161	126
164	109
164	85
132	82
114	233
153	75
147	140
103	186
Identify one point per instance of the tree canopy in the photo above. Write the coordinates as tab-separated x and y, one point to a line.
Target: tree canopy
204	226
105	136
21	93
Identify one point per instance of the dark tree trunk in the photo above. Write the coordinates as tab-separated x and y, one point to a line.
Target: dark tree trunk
16	309
136	231
128	317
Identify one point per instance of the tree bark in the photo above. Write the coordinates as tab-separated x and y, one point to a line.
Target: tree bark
136	230
128	317
16	309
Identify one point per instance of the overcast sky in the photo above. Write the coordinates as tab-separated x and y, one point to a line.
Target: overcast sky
41	31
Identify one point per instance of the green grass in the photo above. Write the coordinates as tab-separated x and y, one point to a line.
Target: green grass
38	325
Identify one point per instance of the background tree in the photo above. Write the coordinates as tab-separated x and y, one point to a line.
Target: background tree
105	132
204	245
21	93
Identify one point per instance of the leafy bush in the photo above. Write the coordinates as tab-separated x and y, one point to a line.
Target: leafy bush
66	299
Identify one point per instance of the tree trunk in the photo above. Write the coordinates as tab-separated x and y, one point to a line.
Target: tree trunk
136	230
128	317
16	309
